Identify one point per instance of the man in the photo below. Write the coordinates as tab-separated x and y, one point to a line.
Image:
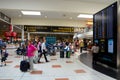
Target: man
43	49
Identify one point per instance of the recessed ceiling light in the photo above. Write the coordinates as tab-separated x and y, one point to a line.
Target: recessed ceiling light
85	16
45	16
71	18
31	13
20	15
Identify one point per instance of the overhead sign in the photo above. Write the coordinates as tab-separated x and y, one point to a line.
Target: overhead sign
4	17
48	29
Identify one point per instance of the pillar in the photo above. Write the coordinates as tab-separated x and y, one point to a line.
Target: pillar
22	35
118	37
28	36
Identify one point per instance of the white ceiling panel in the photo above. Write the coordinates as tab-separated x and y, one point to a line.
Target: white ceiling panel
53	9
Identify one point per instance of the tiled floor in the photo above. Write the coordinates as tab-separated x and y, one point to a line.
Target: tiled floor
64	69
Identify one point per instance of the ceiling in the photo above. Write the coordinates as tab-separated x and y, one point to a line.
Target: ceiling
53	9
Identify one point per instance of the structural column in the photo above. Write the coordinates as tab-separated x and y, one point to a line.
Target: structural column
118	37
28	36
22	36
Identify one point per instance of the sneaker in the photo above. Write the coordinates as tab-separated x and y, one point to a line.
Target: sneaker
39	62
47	61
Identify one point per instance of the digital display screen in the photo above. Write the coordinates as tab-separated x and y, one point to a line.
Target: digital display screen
110	21
48	29
96	41
110	46
105	22
102	45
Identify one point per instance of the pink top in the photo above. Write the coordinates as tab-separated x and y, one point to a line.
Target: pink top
31	48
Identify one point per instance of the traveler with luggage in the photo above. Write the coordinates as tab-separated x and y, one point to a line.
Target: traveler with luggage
30	53
67	50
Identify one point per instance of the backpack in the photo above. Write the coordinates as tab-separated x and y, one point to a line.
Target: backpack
39	48
5	53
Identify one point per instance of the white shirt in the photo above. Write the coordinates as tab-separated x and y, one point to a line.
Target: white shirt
38	46
95	49
67	48
43	46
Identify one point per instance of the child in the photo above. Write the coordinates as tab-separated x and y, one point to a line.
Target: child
4	56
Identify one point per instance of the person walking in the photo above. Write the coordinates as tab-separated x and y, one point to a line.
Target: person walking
39	49
30	53
44	49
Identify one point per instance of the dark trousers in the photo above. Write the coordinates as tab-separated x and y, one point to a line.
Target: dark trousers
95	57
43	53
81	49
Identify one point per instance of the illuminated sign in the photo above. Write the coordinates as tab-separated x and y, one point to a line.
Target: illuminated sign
48	29
4	17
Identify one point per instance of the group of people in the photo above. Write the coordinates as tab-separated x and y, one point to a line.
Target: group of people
93	48
32	48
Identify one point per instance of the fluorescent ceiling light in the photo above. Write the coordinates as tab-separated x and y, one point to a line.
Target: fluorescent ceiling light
31	13
85	16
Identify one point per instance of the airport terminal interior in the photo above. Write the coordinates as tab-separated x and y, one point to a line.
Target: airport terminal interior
59	39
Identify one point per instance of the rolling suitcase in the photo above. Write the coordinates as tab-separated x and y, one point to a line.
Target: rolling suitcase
24	65
61	54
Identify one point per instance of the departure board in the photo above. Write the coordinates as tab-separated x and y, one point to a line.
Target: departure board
105	22
48	29
99	25
95	34
110	21
105	34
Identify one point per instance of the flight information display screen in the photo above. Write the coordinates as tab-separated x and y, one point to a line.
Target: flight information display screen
105	27
110	21
105	22
110	46
96	41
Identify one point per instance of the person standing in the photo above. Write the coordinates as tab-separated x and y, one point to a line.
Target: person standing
30	53
44	49
4	56
81	46
95	51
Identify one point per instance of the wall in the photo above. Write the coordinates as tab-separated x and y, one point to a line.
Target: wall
51	22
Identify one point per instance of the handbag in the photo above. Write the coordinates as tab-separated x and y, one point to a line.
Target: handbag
6	54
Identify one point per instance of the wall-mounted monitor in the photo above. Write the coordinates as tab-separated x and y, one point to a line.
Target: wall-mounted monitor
96	41
110	46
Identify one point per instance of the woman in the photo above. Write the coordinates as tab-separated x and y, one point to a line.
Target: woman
95	51
39	49
30	53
